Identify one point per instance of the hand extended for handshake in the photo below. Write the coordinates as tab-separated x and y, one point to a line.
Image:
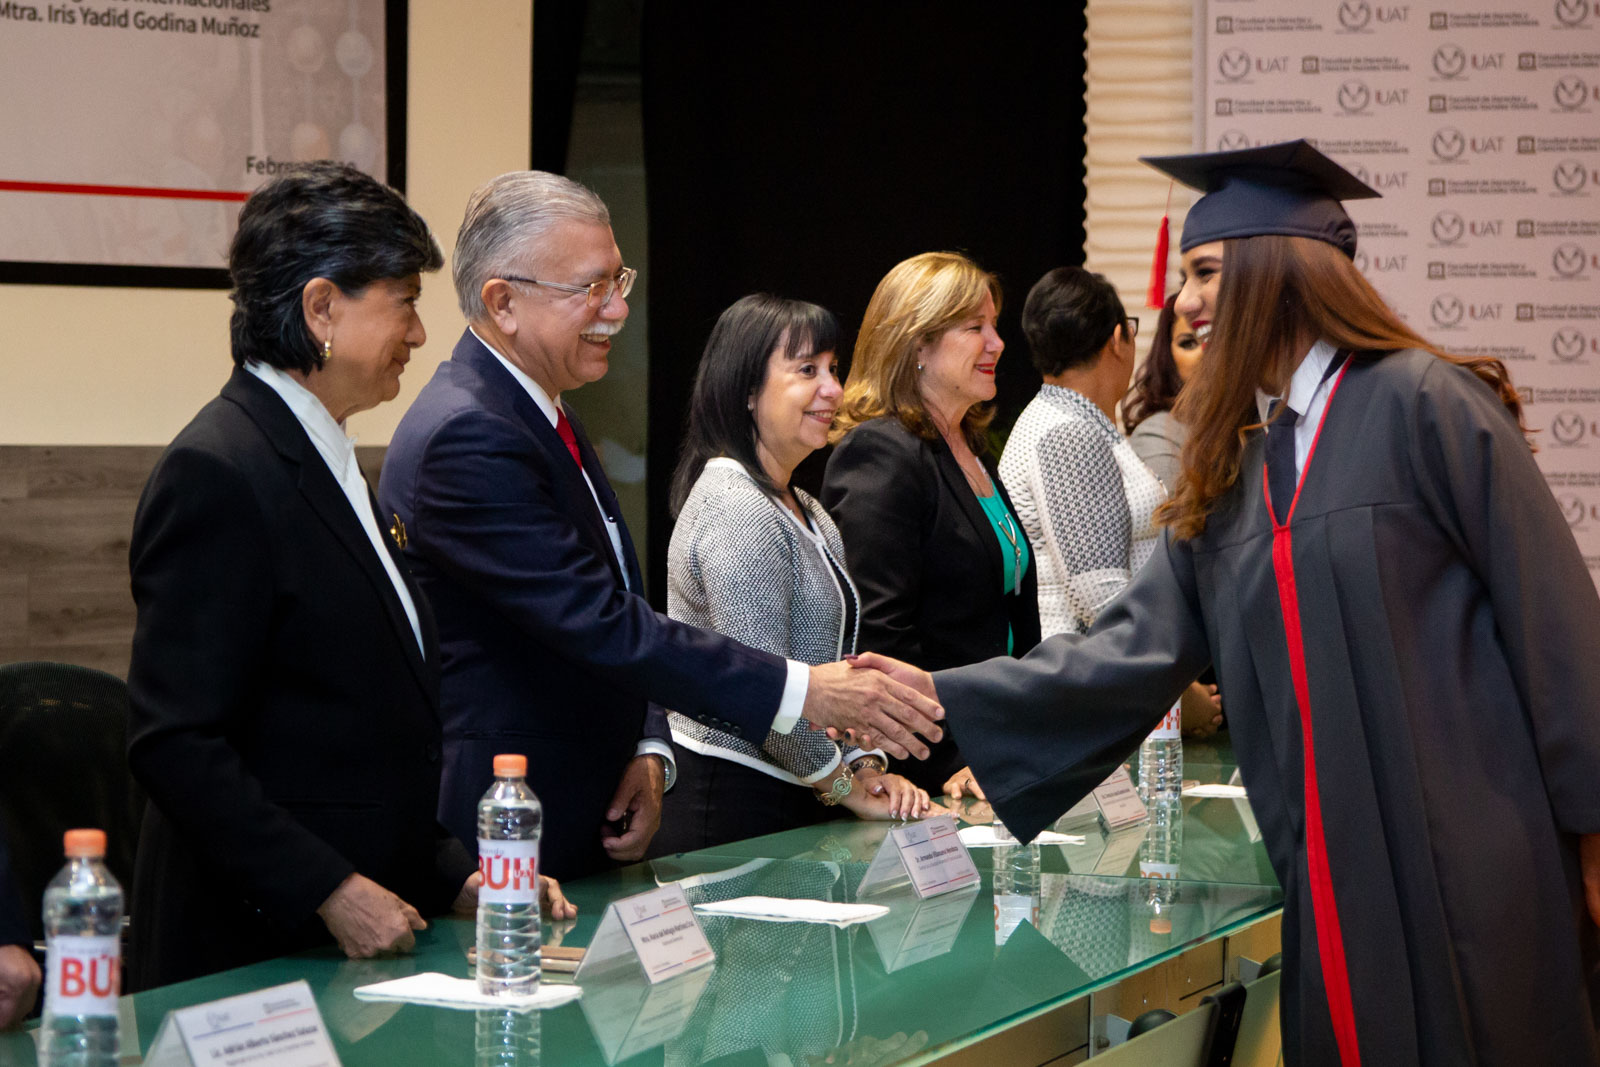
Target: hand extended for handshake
367	920
875	701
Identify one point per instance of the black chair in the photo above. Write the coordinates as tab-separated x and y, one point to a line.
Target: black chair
63	765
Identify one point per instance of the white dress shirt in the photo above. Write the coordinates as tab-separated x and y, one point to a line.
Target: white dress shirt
794	690
1308	396
338	451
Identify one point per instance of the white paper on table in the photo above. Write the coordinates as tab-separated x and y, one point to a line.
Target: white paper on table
1214	789
982	836
786	910
443	991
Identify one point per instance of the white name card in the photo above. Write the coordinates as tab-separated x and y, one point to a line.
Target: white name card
1119	801
277	1027
928	853
657	931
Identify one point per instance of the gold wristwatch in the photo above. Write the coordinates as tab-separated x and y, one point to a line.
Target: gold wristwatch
839	787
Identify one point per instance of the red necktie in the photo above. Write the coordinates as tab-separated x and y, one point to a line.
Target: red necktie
564	428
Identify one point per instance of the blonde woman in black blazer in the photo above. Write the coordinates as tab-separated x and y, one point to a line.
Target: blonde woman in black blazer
942	585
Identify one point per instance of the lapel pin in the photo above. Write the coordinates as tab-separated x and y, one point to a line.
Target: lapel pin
398	532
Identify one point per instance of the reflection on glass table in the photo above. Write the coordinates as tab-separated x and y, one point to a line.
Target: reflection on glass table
931	977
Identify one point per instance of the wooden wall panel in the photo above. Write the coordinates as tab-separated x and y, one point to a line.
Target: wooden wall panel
66	513
1140	102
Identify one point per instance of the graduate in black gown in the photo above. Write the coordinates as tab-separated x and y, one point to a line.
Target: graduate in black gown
1407	634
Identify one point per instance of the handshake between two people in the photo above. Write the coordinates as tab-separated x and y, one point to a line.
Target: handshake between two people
874	701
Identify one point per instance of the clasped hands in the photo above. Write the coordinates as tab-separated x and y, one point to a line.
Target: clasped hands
368	920
875	702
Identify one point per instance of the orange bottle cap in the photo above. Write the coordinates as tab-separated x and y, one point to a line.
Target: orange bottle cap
1161	926
81	844
511	766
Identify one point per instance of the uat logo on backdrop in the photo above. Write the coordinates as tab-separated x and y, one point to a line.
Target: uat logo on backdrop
1569	260
1449	61
1354	97
1571	93
1572	508
1449	143
1572	12
1448	227
1447	310
1568	427
1233	140
1355	15
1570	176
1234	64
1567	344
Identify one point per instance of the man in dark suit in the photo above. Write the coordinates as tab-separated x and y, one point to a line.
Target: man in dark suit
515	535
19	972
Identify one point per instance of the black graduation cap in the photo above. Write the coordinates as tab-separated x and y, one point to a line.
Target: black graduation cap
1288	188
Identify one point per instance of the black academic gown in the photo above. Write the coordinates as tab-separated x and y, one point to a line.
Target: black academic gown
1449	636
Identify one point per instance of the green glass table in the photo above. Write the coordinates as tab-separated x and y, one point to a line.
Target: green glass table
931	978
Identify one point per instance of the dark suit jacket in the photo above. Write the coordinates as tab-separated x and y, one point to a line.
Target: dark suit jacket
13	918
925	560
545	652
283	720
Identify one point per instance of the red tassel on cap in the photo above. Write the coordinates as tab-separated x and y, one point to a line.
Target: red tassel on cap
1156	297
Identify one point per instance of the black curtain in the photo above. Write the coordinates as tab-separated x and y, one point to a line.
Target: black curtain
804	149
557	54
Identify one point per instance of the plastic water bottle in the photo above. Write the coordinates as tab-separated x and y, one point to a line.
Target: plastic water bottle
1017	884
1159	857
509	819
507	1039
1161	758
83	957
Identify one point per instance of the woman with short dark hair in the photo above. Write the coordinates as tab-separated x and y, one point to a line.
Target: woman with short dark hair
284	683
756	559
1083	496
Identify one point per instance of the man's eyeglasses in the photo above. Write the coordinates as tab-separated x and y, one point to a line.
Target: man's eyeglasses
1131	321
596	294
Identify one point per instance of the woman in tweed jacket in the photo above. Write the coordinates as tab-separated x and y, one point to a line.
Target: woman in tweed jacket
755	559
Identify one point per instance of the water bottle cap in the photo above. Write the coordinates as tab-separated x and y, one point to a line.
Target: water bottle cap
1161	926
511	766
83	844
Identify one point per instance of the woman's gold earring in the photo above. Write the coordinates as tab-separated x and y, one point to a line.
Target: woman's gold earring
327	351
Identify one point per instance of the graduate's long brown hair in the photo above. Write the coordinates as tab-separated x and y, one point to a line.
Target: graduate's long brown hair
1275	292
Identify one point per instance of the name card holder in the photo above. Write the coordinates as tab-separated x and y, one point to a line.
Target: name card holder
916	930
629	1015
1119	803
929	854
655	934
276	1027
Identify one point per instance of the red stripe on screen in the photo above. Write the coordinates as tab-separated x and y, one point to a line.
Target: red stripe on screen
123	190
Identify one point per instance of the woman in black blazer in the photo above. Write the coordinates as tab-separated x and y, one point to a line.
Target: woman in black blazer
284	684
942	565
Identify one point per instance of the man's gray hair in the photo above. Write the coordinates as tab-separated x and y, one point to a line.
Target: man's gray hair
507	220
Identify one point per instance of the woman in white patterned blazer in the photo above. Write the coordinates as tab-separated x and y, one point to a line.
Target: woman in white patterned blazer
758	560
1085	498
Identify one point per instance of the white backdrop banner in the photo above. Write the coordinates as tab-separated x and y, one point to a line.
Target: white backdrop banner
135	128
1480	125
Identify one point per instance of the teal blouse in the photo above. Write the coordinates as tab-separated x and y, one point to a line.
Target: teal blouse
1013	548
